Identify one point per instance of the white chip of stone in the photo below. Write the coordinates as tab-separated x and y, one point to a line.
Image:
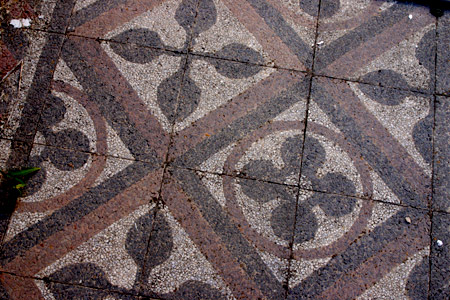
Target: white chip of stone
410	17
19	23
26	22
408	220
439	243
41	16
16	23
320	43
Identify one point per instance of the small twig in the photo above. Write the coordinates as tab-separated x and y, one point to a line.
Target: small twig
20	76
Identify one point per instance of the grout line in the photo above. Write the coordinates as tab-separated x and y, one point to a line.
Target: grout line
359	197
141	273
373	84
45	280
173	51
160	202
308	101
433	133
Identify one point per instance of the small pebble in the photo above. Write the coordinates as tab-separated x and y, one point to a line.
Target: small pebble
320	43
410	17
26	22
408	220
16	23
439	243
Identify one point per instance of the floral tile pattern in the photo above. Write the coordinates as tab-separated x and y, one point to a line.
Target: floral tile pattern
216	149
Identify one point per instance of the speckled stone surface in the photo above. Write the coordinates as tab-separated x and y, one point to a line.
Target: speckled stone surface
218	149
440	254
443	55
379	42
388	128
441	197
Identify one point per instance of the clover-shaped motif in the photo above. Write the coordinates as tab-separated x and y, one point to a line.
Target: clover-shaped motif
194	21
63	159
282	217
74	280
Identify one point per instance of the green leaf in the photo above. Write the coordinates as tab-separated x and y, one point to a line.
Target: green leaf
19	186
23	172
19	180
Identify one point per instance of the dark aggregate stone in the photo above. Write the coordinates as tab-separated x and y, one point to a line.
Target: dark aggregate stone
443	55
441	197
440	257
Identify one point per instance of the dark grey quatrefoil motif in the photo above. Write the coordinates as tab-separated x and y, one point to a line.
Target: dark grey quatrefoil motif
282	217
77	277
194	20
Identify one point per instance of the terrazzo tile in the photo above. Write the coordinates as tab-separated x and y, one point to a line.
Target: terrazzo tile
441	190
440	254
383	43
359	249
443	55
369	141
100	103
281	32
239	119
243	234
177	161
100	197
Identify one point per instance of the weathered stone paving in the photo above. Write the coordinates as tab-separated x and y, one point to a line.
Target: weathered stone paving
227	149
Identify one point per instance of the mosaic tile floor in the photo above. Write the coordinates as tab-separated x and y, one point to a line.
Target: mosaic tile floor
227	149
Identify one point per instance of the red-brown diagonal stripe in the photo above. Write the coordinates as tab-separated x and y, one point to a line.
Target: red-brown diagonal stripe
361	56
353	284
113	18
107	72
20	288
236	108
398	157
199	230
271	43
64	241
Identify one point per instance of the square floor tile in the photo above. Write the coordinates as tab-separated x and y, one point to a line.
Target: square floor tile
385	43
76	214
440	257
273	33
441	191
235	118
101	103
443	55
158	24
233	234
370	141
349	248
